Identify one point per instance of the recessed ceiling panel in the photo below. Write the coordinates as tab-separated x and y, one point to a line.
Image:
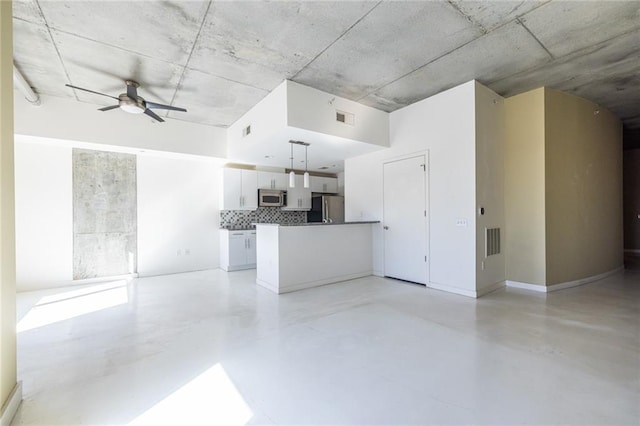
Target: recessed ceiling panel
503	52
27	10
160	29
36	58
391	41
492	14
214	100
103	68
565	27
263	43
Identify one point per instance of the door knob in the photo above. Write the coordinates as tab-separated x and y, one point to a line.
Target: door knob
385	228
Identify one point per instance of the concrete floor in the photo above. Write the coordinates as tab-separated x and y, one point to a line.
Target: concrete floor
212	347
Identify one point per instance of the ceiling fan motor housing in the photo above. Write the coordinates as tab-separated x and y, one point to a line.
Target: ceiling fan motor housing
134	106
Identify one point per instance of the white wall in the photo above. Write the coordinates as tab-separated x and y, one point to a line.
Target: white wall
265	118
444	125
44	214
315	110
70	120
490	194
177	212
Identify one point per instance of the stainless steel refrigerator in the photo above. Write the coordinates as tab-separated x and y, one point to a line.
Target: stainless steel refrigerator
327	209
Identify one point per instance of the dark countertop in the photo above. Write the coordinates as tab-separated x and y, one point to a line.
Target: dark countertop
320	223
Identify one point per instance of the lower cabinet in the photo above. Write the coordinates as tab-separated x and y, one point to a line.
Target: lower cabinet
237	249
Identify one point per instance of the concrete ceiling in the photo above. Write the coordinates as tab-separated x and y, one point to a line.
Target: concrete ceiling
218	59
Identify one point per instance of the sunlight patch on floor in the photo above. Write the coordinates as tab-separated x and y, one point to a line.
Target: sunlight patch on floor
210	398
71	304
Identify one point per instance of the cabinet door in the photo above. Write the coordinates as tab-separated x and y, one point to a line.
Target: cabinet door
316	183
251	247
304	194
266	180
231	189
331	185
281	181
298	198
237	249
249	190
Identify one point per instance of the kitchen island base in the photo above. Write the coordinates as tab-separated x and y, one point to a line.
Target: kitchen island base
297	257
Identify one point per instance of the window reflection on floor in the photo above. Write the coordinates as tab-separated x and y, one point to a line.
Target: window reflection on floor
210	398
71	304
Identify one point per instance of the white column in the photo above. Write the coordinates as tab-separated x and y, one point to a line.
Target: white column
9	389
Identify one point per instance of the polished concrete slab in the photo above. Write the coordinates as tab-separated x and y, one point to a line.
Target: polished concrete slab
213	348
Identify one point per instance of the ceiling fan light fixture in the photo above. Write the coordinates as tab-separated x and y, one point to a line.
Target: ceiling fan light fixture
132	106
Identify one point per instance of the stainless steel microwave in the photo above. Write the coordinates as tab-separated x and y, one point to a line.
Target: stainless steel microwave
272	198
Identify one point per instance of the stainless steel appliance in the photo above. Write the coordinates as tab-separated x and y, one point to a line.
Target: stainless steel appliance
327	209
272	198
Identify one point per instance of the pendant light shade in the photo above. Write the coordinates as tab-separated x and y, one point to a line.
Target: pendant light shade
306	173
292	175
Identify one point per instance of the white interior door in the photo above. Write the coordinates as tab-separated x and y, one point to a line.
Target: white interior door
405	219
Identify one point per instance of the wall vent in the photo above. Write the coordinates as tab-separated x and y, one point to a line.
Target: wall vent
492	241
345	117
246	131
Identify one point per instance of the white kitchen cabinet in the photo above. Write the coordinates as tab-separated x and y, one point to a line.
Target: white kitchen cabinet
271	180
298	198
237	249
324	184
239	189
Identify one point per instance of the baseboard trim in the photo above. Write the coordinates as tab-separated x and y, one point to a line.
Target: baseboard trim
280	289
468	293
451	289
11	407
561	286
490	289
104	279
527	286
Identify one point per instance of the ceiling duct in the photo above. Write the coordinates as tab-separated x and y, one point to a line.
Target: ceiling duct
18	81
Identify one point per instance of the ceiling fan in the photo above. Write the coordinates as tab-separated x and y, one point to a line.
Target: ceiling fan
131	102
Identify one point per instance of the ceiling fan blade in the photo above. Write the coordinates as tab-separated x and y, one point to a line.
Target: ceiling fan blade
153	115
109	108
161	106
91	91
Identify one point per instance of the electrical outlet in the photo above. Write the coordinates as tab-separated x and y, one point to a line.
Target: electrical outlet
187	251
179	253
462	222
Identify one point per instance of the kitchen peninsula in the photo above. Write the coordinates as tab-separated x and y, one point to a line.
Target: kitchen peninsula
295	257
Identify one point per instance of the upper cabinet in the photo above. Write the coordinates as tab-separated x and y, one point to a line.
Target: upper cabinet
298	198
324	184
239	189
271	180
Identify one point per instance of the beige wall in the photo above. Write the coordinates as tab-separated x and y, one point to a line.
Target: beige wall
583	173
632	199
7	228
524	240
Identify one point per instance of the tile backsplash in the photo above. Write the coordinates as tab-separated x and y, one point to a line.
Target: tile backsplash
244	218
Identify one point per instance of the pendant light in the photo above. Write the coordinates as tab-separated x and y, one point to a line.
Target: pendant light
306	173
292	175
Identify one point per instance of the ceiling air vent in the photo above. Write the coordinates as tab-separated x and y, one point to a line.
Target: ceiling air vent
246	131
345	117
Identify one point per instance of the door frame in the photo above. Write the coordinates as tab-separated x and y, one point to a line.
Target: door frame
427	201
